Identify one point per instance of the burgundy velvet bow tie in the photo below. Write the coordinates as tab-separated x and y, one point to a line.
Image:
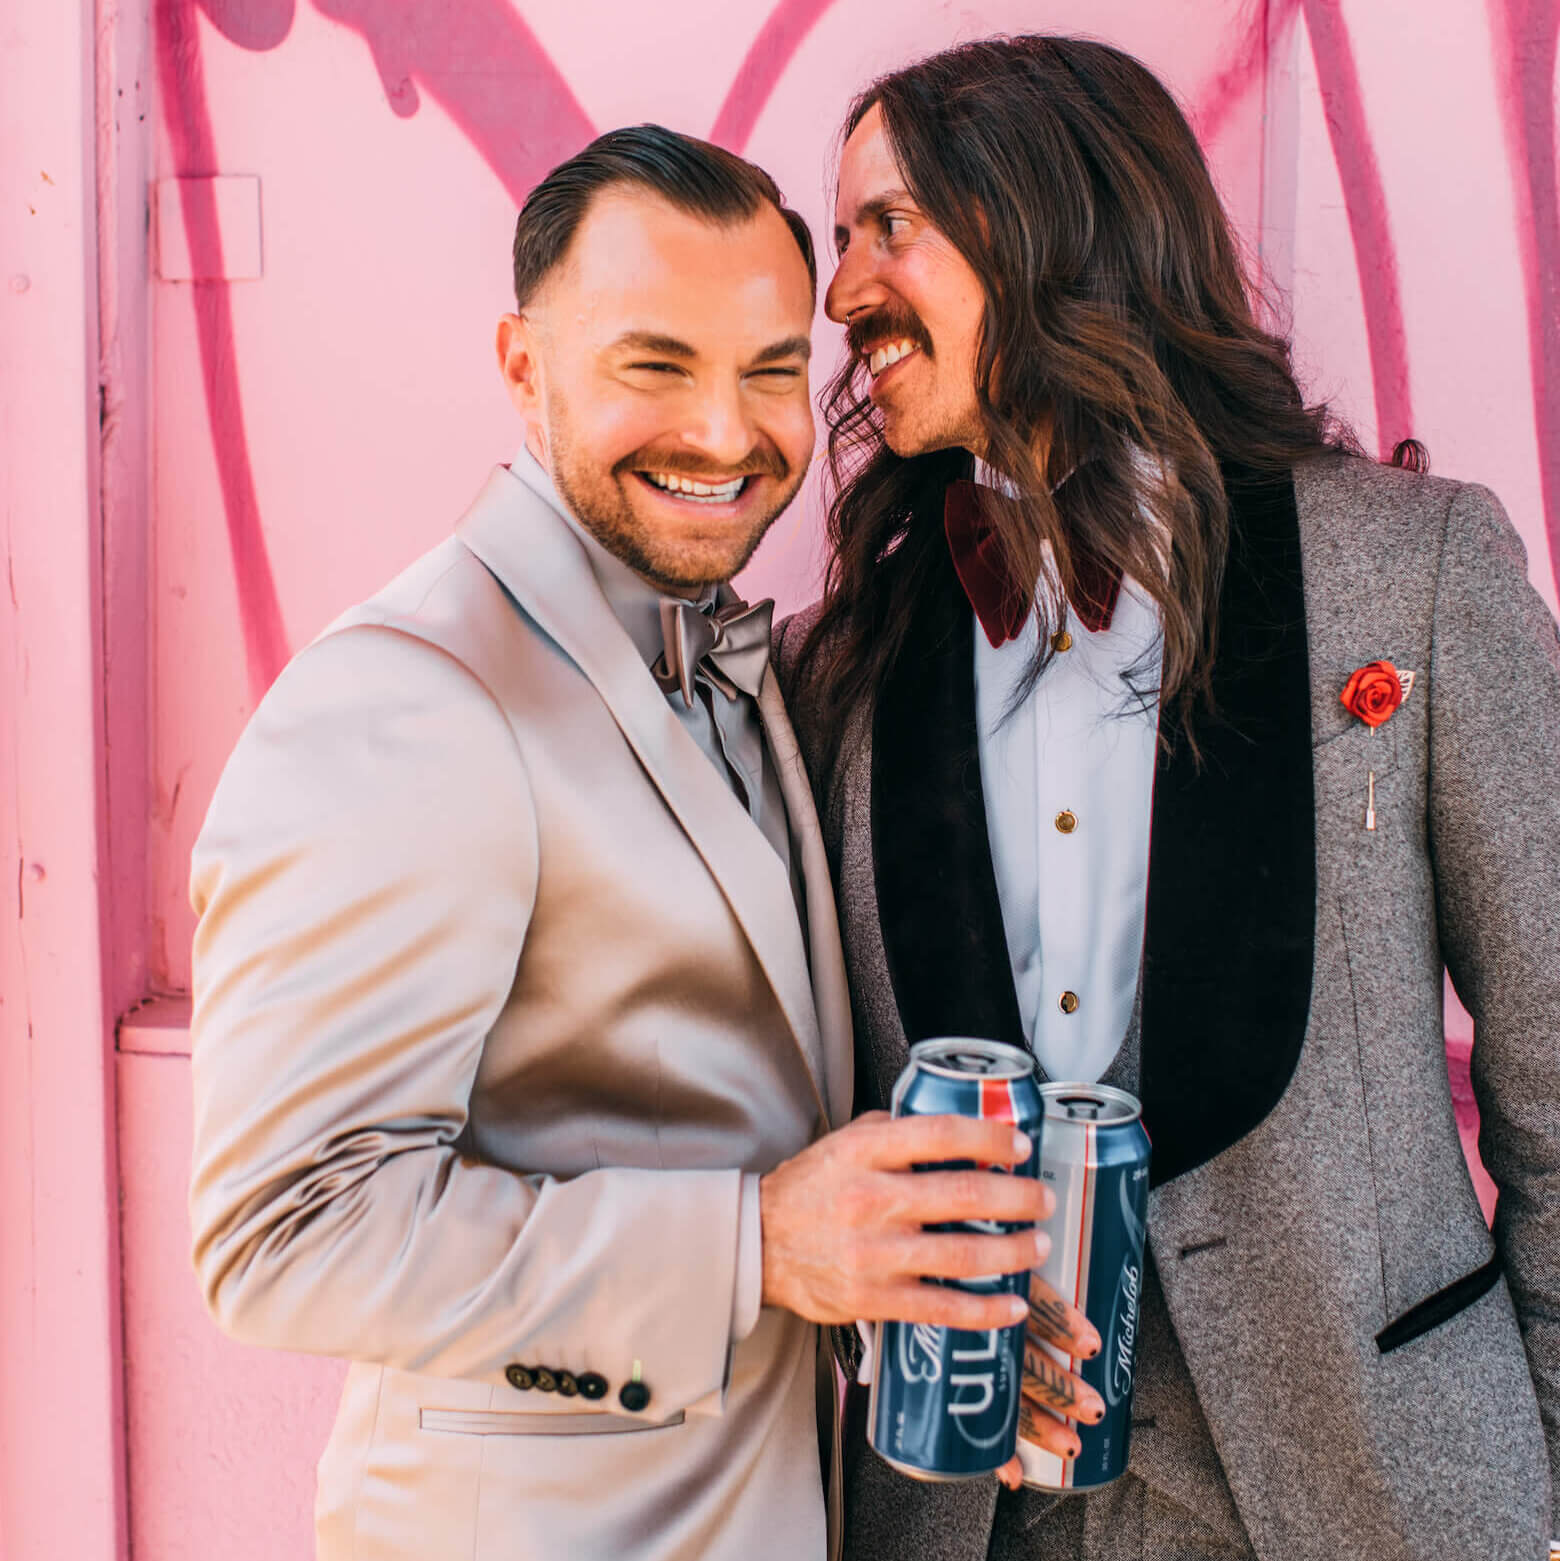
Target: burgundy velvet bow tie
1002	604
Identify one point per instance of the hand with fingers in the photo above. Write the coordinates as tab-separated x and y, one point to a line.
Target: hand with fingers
1052	1395
844	1222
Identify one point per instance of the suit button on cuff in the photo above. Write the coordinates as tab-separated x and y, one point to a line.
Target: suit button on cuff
568	1384
520	1377
592	1385
546	1382
1068	1002
634	1397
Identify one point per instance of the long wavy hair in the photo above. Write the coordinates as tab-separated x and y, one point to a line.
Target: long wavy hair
1121	366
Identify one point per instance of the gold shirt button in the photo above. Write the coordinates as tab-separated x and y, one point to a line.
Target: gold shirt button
1068	1002
1061	641
1066	821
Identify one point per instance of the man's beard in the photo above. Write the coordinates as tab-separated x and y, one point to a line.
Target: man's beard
918	429
598	500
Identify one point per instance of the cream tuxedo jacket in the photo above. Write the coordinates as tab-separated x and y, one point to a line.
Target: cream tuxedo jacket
498	993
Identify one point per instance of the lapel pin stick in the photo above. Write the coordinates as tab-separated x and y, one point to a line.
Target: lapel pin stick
1373	693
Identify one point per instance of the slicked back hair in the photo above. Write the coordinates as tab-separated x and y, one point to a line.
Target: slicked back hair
694	176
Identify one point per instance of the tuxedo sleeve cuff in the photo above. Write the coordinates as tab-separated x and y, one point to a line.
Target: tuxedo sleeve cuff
748	1292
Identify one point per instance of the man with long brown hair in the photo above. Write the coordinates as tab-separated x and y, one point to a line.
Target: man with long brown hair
1106	705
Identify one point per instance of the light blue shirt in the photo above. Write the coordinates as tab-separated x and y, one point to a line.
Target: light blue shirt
1078	751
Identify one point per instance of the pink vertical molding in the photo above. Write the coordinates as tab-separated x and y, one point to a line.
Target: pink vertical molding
61	1400
1527	41
1366	199
124	103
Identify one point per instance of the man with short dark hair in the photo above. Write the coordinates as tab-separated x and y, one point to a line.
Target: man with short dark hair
520	1017
1157	730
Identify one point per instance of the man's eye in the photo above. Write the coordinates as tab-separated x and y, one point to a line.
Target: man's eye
657	368
777	374
894	223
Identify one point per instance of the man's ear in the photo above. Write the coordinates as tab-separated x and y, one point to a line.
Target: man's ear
521	367
517	361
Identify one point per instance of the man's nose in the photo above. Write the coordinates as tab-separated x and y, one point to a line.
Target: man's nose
853	289
721	431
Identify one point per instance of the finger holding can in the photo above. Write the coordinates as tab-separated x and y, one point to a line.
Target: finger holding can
913	1200
1056	1321
1049	1386
1039	1428
1051	1396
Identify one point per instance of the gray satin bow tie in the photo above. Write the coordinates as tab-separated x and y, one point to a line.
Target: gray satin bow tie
729	646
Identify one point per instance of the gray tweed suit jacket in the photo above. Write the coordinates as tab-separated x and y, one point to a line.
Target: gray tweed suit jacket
1379	1371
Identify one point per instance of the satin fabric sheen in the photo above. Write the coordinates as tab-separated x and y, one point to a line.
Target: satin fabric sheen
498	995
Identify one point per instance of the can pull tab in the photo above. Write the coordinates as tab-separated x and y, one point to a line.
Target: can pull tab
1080	1108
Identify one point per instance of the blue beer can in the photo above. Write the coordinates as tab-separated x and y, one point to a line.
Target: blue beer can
944	1401
1095	1159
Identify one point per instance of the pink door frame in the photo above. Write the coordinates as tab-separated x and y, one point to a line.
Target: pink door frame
62	1455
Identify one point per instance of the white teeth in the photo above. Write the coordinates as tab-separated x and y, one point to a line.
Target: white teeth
883	356
698	492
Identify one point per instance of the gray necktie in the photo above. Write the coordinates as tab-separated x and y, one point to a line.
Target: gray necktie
729	646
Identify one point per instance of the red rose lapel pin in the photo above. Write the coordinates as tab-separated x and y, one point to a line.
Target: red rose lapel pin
1373	693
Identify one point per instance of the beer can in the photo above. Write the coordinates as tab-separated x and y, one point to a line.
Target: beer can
944	1401
1095	1159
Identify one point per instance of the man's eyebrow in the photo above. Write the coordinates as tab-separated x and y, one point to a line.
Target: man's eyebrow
791	347
869	211
649	341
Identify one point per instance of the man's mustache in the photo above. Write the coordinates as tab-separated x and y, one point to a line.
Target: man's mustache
891	323
760	462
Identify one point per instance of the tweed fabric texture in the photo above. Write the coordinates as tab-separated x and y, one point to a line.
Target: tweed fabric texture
1284	1256
1126	1521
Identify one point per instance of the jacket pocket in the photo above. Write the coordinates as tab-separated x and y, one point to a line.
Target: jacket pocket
482	1422
1439	1308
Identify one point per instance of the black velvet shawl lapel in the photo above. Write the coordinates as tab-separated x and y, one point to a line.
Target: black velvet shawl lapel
936	890
1229	942
1232	868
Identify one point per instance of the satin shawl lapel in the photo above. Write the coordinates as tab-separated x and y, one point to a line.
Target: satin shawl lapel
540	563
830	990
937	893
1230	933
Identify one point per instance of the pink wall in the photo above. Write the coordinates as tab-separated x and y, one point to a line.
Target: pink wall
295	380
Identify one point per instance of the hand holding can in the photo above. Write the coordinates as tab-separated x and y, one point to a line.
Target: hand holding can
852	1225
1056	1403
944	1401
1095	1159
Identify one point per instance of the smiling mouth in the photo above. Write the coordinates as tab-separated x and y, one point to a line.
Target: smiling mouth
886	354
690	490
